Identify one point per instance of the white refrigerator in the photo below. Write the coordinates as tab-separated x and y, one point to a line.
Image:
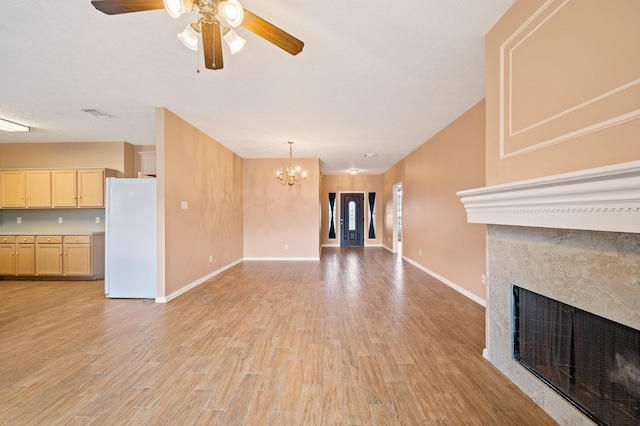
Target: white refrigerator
130	239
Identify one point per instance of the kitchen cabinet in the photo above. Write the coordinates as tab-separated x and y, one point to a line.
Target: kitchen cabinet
49	255
25	188
53	255
7	255
25	255
77	256
83	188
63	188
17	255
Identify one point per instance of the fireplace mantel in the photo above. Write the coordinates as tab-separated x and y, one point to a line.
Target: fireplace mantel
599	199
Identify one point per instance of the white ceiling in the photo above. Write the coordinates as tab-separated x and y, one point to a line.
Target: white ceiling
374	76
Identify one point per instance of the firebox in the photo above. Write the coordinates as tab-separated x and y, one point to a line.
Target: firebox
591	361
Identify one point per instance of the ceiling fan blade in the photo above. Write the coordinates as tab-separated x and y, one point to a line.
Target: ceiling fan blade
212	46
271	33
116	7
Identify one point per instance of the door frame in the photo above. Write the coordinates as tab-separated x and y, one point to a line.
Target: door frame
338	215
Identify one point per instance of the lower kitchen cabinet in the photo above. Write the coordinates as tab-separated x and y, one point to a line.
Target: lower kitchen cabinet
49	255
7	255
73	256
77	256
25	255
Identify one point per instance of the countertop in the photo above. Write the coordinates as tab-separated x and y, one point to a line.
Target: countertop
55	233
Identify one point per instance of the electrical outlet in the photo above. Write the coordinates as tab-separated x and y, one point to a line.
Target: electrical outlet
286	246
60	219
210	258
184	205
97	219
483	279
19	220
420	252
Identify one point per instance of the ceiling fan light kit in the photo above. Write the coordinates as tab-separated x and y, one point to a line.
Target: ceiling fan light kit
175	8
232	12
234	41
190	36
210	15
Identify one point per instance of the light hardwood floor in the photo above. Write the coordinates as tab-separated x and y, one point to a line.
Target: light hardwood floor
358	338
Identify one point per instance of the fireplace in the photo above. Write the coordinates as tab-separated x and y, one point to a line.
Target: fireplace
575	239
592	362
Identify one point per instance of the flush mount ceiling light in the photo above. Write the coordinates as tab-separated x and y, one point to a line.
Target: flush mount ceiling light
353	171
292	174
210	25
10	126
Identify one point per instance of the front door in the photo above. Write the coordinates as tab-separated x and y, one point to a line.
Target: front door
352	220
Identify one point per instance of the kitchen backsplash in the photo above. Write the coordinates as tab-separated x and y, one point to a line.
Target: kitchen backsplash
25	221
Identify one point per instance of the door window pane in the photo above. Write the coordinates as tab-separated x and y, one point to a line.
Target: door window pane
352	215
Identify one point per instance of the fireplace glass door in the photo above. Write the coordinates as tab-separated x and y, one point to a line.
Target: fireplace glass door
591	361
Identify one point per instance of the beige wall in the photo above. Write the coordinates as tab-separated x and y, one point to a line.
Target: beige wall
436	234
205	174
349	183
110	155
562	87
277	215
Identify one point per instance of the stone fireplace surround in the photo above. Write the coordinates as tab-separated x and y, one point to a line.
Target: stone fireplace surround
573	237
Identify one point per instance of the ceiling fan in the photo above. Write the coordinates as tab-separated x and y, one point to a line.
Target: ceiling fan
212	16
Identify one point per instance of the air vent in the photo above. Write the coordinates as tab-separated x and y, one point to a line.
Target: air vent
95	112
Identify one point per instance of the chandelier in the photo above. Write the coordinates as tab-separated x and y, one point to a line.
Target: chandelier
292	174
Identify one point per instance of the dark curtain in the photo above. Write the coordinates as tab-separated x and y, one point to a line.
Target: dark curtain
332	206
372	202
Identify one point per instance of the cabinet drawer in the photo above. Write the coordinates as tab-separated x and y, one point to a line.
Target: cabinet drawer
77	239
51	239
7	239
25	239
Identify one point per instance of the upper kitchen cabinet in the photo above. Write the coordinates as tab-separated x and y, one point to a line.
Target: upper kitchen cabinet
79	188
25	188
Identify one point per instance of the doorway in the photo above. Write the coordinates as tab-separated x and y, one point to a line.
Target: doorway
396	246
352	220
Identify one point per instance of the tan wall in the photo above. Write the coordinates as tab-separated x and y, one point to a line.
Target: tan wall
562	87
205	174
436	234
349	183
111	155
275	215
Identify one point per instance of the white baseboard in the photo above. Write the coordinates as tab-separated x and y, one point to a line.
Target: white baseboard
485	354
287	259
453	285
330	245
196	283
